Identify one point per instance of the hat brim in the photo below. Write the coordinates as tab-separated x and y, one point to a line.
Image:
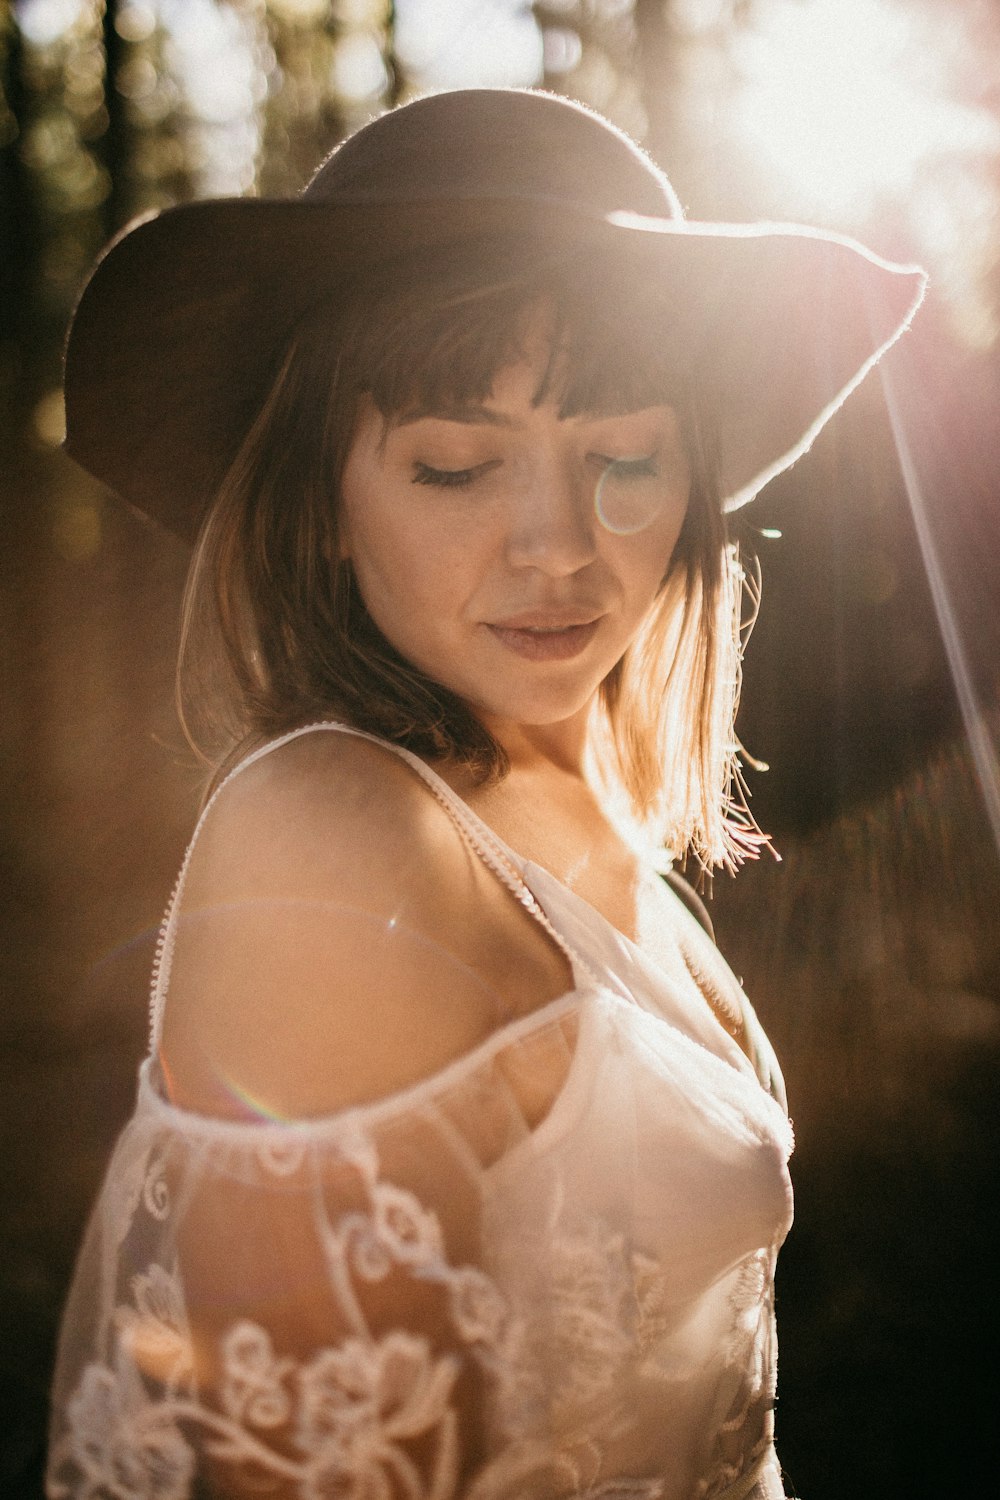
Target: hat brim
178	333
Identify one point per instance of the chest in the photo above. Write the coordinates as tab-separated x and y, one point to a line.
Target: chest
636	902
562	828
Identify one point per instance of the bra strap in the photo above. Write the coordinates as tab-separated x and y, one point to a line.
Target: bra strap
477	835
484	843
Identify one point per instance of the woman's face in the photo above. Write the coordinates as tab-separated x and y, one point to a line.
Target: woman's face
509	553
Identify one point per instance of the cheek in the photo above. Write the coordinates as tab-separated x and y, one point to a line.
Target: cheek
662	542
407	573
372	535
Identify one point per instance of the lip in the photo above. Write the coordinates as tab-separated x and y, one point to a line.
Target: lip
545	642
555	617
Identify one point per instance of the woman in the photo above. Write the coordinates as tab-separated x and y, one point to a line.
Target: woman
430	1191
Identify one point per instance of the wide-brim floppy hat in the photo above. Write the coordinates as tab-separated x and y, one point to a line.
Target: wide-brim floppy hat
185	320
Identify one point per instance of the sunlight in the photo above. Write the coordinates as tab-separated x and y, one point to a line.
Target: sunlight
43	22
223	104
468	43
846	100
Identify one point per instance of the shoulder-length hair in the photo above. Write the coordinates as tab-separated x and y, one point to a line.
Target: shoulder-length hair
275	633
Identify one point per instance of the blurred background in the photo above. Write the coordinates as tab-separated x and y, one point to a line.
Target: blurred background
872	949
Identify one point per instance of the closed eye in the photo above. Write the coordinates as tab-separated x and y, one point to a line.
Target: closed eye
645	467
450	479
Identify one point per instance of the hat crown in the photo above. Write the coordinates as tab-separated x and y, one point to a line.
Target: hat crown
496	144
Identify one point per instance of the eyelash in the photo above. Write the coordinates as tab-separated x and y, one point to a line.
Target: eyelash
445	479
457	479
631	468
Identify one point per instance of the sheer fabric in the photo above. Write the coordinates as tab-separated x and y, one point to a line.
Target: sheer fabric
439	1295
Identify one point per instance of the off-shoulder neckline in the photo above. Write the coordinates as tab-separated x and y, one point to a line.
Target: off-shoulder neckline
586	984
477	833
411	1096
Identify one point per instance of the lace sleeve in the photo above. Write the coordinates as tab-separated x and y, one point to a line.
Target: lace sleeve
290	1311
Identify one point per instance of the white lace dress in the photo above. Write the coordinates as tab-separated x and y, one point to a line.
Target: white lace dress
426	1297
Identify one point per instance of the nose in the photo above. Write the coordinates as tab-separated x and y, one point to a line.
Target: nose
552	525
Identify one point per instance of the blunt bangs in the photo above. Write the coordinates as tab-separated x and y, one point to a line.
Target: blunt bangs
433	333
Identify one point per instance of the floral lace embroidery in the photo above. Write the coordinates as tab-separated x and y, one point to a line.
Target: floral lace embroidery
747	1380
374	1418
349	1412
567	1365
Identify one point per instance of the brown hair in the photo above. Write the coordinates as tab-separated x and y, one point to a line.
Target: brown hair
275	633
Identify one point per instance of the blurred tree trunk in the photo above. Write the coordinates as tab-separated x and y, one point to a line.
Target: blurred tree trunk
113	145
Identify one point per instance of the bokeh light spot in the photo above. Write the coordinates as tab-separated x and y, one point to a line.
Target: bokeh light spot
562	49
134	23
43	22
468	43
358	71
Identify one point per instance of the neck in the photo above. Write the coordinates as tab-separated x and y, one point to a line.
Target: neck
530	747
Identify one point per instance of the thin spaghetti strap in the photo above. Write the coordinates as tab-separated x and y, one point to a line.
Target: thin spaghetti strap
484	843
477	834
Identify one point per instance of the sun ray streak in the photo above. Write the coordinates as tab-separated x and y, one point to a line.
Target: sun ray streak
981	744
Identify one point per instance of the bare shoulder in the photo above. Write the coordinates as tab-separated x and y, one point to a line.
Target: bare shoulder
324	804
338	940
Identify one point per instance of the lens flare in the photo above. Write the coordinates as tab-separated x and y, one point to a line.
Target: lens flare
981	745
624	507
